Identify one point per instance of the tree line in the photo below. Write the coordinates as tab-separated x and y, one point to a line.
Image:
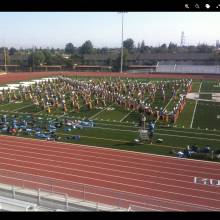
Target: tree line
51	56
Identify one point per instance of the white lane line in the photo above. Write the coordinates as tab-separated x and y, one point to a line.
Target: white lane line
73	151
111	182
106	149
82	162
120	191
99	163
108	175
76	190
107	196
49	166
194	111
116	160
137	169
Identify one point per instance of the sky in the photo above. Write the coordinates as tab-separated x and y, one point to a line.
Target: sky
55	29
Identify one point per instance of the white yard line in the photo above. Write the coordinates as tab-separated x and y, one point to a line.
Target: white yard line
158	133
125	116
22	107
6	104
40	111
195	107
165	107
97	113
170	100
168	104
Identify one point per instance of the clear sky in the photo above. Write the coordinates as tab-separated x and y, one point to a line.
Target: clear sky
55	29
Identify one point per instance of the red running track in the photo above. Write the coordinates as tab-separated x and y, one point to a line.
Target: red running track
19	76
158	183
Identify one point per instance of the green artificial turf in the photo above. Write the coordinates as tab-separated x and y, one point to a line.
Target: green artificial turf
117	128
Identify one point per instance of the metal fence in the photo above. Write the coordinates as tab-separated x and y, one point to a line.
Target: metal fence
98	195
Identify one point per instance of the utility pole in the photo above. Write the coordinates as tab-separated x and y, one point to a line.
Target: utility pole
182	40
32	58
5	60
122	39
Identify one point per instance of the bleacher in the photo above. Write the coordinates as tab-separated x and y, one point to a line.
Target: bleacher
194	69
9	204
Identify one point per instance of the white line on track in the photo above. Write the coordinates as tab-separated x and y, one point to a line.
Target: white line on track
128	185
121	199
105	173
123	179
121	191
82	162
186	160
132	160
137	169
97	194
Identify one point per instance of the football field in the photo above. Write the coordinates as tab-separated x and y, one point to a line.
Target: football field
116	127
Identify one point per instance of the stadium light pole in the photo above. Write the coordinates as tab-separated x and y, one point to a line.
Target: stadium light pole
122	36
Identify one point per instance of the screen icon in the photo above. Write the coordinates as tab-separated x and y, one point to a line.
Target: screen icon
187	6
207	6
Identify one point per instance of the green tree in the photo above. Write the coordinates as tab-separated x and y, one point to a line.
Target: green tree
109	61
86	48
58	59
104	50
204	48
12	51
172	47
39	57
76	59
117	63
36	58
48	57
163	48
125	58
128	44
69	48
